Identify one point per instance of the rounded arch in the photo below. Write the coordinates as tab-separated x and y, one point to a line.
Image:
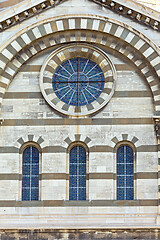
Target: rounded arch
77	143
31	138
30	167
30	144
121	166
83	28
70	147
126	143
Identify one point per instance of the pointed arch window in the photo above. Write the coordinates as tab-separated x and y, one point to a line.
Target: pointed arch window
125	173
30	174
77	173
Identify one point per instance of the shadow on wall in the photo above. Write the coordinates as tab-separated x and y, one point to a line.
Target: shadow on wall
77	234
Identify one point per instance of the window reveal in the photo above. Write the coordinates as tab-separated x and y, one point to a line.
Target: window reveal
125	173
30	174
77	173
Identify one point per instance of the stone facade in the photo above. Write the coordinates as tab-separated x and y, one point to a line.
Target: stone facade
30	116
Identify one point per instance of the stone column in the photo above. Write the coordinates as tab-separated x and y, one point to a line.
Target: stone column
157	129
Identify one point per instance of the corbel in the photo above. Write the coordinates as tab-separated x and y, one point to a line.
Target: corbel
157	125
1	121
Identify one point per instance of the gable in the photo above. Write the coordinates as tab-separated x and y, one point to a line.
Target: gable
137	48
129	9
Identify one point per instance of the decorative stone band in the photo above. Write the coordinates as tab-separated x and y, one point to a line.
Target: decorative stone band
66	203
65	53
28	13
29	140
135	15
84	28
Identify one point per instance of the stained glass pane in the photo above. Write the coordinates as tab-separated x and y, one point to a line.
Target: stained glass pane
78	81
125	173
30	174
77	173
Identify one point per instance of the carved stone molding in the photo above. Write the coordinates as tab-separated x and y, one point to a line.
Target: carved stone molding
157	126
115	6
128	12
1	121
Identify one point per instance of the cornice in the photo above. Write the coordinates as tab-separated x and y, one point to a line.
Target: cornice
134	11
127	8
23	11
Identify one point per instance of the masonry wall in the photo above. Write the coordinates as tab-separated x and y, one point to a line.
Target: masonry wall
127	117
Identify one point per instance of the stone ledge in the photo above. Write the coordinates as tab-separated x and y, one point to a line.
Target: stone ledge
85	203
81	234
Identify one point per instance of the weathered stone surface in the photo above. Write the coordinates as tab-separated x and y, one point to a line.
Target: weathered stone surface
87	234
128	118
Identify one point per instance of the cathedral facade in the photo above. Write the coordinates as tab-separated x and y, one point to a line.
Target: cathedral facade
79	120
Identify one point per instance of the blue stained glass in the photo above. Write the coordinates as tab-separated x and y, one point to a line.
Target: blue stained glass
73	181
129	194
78	81
34	193
73	170
129	181
120	180
82	181
26	181
30	174
120	169
35	170
26	170
120	193
82	169
73	193
129	169
82	194
77	173
34	181
26	194
125	173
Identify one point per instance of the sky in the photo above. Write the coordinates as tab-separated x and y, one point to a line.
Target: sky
155	4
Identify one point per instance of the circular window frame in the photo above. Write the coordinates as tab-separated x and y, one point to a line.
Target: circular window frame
64	53
77	80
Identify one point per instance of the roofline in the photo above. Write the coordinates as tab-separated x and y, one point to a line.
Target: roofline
127	8
136	11
141	7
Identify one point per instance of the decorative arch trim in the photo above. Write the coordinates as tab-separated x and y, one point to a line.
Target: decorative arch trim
31	140
77	138
19	49
78	143
28	144
125	138
125	142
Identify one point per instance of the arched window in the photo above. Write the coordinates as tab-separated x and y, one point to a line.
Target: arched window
30	174
125	173
77	173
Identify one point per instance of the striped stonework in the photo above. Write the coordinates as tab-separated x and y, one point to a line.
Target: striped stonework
125	137
104	32
129	10
27	140
77	138
63	54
